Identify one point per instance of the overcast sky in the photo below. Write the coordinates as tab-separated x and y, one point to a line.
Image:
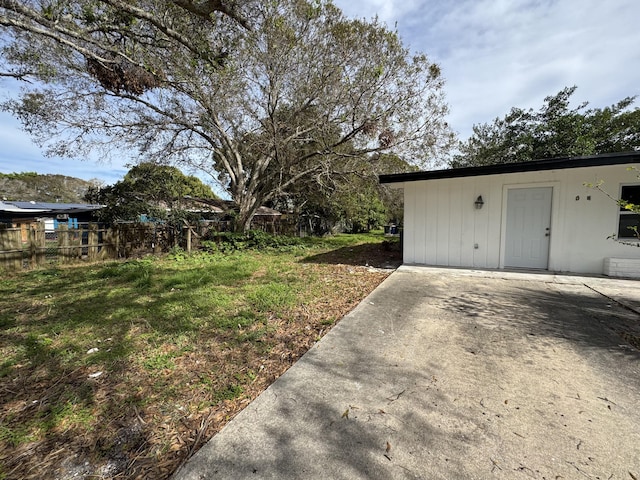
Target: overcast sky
494	54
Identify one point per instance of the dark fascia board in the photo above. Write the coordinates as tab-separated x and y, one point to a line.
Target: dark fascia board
533	166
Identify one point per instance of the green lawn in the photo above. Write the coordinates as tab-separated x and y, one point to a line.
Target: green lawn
131	366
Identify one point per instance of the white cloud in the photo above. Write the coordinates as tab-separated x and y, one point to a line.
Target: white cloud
498	54
385	10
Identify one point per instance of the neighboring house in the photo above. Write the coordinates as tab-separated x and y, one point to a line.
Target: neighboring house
23	214
224	209
532	215
207	208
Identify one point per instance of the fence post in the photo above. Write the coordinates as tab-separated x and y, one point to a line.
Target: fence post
109	249
75	239
92	242
33	246
41	243
4	245
105	251
118	233
16	246
63	243
157	240
115	232
188	227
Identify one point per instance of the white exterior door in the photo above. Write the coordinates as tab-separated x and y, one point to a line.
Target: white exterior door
528	227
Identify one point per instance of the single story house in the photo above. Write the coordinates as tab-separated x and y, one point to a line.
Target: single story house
224	209
23	214
534	215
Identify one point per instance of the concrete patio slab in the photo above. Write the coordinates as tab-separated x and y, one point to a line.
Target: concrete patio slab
443	374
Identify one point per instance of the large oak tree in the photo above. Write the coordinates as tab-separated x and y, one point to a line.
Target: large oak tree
261	95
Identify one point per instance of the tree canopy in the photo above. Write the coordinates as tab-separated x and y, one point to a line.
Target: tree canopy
555	130
157	191
261	95
354	201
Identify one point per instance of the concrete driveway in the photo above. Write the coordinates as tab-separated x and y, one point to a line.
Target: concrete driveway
446	374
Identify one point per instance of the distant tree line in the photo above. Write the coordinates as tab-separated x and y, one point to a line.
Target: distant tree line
148	190
27	186
353	203
555	130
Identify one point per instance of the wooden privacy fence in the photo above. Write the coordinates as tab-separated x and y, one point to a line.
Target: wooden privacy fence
89	242
62	245
92	242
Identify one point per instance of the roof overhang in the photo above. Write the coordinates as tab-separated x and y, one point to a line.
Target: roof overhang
533	166
13	209
46	208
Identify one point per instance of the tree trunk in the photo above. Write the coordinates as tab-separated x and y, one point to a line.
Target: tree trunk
242	223
247	206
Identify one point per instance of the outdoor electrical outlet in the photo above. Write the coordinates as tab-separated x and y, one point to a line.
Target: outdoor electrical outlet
475	245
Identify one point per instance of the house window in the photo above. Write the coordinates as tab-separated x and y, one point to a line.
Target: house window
629	219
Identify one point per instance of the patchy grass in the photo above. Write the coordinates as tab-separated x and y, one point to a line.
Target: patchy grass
124	369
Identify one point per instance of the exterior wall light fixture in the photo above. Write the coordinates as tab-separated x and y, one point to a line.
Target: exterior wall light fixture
479	202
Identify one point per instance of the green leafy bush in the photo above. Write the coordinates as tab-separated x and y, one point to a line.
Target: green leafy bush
254	239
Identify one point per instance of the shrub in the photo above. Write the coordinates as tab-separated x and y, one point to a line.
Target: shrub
253	239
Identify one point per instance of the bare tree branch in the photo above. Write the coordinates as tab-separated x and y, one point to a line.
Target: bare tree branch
18	75
205	8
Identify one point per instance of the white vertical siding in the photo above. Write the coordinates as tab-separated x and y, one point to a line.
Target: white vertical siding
493	204
482	186
423	226
431	215
442	226
468	214
456	222
410	223
443	206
